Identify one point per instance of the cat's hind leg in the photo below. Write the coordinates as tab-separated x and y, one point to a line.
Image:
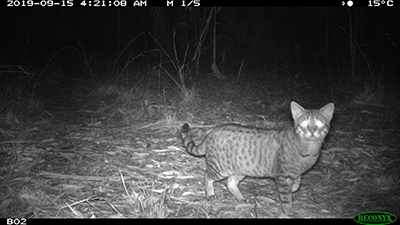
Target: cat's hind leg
209	184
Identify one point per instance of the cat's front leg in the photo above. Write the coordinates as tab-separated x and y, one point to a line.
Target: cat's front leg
233	182
296	184
285	187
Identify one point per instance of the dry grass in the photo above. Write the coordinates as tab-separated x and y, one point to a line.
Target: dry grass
115	154
378	90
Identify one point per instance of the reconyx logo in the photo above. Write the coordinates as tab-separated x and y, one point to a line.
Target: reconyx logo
375	217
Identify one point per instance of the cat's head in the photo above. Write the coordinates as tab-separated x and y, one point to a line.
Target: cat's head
312	124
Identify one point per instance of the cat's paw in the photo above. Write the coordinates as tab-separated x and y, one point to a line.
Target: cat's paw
287	209
243	200
212	197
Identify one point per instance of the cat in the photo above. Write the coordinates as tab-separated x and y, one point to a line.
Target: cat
235	151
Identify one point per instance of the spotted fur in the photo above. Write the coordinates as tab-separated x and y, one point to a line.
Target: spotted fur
234	151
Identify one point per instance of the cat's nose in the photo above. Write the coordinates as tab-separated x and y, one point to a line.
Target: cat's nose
312	129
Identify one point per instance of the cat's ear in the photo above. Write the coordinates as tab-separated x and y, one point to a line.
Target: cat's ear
297	110
328	110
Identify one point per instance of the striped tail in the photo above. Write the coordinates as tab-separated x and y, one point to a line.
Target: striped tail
188	142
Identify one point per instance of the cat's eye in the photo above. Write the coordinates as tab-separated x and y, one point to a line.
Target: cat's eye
304	123
319	123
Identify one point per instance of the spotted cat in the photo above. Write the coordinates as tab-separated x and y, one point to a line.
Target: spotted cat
234	151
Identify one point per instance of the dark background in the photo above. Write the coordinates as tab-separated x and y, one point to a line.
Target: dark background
310	40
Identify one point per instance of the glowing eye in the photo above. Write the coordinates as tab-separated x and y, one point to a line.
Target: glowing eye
319	123
304	123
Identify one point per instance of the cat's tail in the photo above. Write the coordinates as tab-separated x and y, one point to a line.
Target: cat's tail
188	142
